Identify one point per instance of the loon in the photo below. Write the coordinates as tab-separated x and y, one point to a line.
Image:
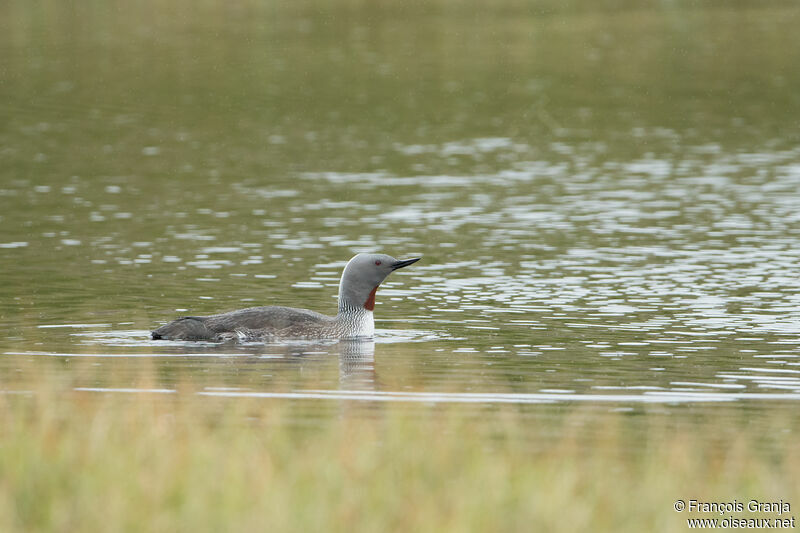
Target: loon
361	278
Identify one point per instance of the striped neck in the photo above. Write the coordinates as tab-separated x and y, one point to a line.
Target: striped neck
355	321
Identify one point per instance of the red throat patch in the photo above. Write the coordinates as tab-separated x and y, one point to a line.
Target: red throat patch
369	305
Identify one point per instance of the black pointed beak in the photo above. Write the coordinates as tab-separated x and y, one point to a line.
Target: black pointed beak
405	263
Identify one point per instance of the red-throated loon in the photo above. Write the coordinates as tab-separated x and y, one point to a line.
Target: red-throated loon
360	280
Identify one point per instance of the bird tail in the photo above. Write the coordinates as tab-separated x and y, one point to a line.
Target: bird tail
187	328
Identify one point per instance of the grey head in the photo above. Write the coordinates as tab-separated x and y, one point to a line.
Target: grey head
362	276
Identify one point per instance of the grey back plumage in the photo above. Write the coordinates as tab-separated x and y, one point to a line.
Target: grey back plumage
273	319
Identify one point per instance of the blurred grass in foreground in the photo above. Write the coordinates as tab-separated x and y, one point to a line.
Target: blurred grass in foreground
87	461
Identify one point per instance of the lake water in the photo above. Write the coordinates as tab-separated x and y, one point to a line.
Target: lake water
606	197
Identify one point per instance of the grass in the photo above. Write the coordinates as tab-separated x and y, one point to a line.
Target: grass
83	461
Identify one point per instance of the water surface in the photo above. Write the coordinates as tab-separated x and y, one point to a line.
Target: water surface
605	198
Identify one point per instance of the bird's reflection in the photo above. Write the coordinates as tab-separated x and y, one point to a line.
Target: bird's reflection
356	357
357	365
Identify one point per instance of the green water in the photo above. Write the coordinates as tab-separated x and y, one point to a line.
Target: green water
605	195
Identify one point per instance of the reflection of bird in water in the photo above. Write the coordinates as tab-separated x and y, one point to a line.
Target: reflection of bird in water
357	365
360	280
356	358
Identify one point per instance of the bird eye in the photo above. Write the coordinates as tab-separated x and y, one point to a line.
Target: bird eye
378	262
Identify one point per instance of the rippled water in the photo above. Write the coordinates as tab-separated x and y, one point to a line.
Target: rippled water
629	237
